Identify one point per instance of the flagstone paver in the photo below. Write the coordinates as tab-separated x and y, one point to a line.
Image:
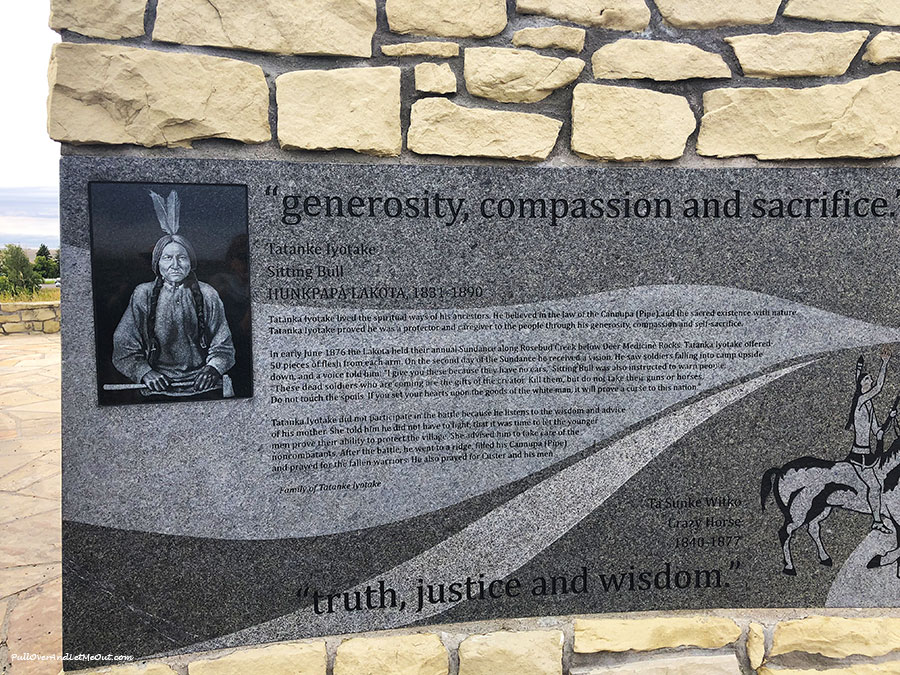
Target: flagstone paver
30	522
35	627
19	506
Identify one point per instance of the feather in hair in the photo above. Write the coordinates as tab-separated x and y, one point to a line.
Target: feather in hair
161	211
174	211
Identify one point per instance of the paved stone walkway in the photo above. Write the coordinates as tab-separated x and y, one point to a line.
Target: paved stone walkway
30	560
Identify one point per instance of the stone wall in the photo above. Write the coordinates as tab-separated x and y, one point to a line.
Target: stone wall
560	82
716	644
29	317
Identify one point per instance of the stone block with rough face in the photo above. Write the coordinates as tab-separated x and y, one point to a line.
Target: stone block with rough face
433	78
756	645
132	669
444	50
512	653
656	60
345	108
439	127
401	655
797	54
122	95
336	27
880	12
460	18
279	659
856	119
18	327
552	37
630	15
715	13
517	75
42	314
884	48
110	19
679	665
629	125
837	637
886	668
643	635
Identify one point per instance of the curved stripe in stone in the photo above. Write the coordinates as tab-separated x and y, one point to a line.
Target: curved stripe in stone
164	485
512	534
855	584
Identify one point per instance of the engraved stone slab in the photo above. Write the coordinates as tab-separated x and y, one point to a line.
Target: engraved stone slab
428	394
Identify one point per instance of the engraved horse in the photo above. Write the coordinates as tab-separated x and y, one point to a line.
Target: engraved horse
807	489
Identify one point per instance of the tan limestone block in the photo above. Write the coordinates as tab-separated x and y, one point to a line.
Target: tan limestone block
884	48
688	665
112	94
50	327
335	27
38	314
553	37
656	60
630	125
714	13
756	645
444	50
517	75
281	659
460	18
16	327
837	637
882	12
402	655
18	306
110	19
642	635
630	15
435	78
505	653
440	127
856	119
350	108
797	54
889	668
131	669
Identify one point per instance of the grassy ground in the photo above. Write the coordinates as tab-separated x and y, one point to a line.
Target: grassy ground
41	295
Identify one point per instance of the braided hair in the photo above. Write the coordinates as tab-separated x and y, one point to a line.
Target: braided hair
191	283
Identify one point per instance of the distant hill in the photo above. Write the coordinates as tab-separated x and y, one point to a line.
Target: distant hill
29	217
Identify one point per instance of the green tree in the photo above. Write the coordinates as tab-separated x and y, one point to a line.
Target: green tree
18	270
43	251
46	266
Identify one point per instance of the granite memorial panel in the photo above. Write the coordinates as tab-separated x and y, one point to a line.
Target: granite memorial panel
372	397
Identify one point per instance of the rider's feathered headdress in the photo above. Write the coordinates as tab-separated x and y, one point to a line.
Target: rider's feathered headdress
857	392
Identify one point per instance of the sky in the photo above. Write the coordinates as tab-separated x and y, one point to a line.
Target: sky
29	168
